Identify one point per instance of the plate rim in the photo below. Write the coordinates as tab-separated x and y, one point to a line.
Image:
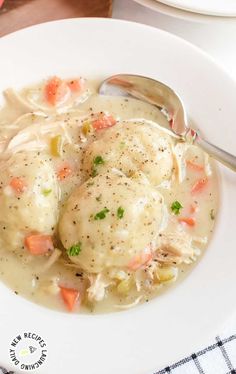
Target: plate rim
181	4
183	14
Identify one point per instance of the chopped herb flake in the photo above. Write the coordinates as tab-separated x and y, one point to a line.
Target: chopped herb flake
90	184
122	145
212	214
94	172
74	250
98	160
120	212
175	207
98	198
101	214
46	192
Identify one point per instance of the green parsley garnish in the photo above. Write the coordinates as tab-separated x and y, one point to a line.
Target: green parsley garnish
98	160
120	212
122	145
175	207
212	214
46	192
94	172
74	250
101	214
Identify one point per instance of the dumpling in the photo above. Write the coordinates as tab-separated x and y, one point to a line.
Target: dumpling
110	220
132	147
28	198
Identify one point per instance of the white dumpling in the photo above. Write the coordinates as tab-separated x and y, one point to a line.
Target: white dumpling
129	218
35	210
132	147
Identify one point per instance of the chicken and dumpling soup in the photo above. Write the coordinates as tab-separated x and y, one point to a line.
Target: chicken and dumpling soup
101	207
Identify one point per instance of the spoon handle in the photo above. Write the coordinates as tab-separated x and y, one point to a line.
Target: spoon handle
219	154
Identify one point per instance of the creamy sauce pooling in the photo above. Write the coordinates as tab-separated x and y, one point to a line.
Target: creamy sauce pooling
101	208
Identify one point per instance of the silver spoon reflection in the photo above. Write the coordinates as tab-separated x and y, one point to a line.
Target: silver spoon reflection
163	97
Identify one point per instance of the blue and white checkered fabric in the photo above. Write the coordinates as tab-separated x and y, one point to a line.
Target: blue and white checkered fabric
218	358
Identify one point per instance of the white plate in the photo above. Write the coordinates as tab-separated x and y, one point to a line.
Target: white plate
146	338
180	13
211	7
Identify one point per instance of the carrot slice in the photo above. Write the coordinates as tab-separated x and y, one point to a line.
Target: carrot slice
18	184
76	85
64	172
188	220
137	261
103	121
192	165
55	91
199	186
39	244
69	296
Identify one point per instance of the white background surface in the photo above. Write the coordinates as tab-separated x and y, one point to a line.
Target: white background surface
218	39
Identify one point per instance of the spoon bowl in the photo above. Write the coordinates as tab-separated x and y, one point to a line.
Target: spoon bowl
170	104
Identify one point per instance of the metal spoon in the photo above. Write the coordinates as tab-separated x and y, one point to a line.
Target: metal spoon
162	96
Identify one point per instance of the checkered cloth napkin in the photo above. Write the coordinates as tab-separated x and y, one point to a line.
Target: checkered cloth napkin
217	358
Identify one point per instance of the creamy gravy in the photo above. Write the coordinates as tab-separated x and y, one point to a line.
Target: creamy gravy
24	272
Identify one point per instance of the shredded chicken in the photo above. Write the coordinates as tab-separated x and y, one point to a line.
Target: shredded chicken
35	132
63	107
118	274
34	138
144	278
200	240
33	98
98	285
18	102
196	254
52	259
207	166
139	278
174	248
154	124
178	152
35	114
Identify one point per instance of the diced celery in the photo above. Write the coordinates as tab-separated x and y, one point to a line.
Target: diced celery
124	286
86	128
166	274
56	146
46	191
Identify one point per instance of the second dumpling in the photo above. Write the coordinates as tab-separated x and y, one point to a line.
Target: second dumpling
131	147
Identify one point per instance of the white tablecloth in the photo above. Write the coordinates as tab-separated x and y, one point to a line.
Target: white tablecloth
219	41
